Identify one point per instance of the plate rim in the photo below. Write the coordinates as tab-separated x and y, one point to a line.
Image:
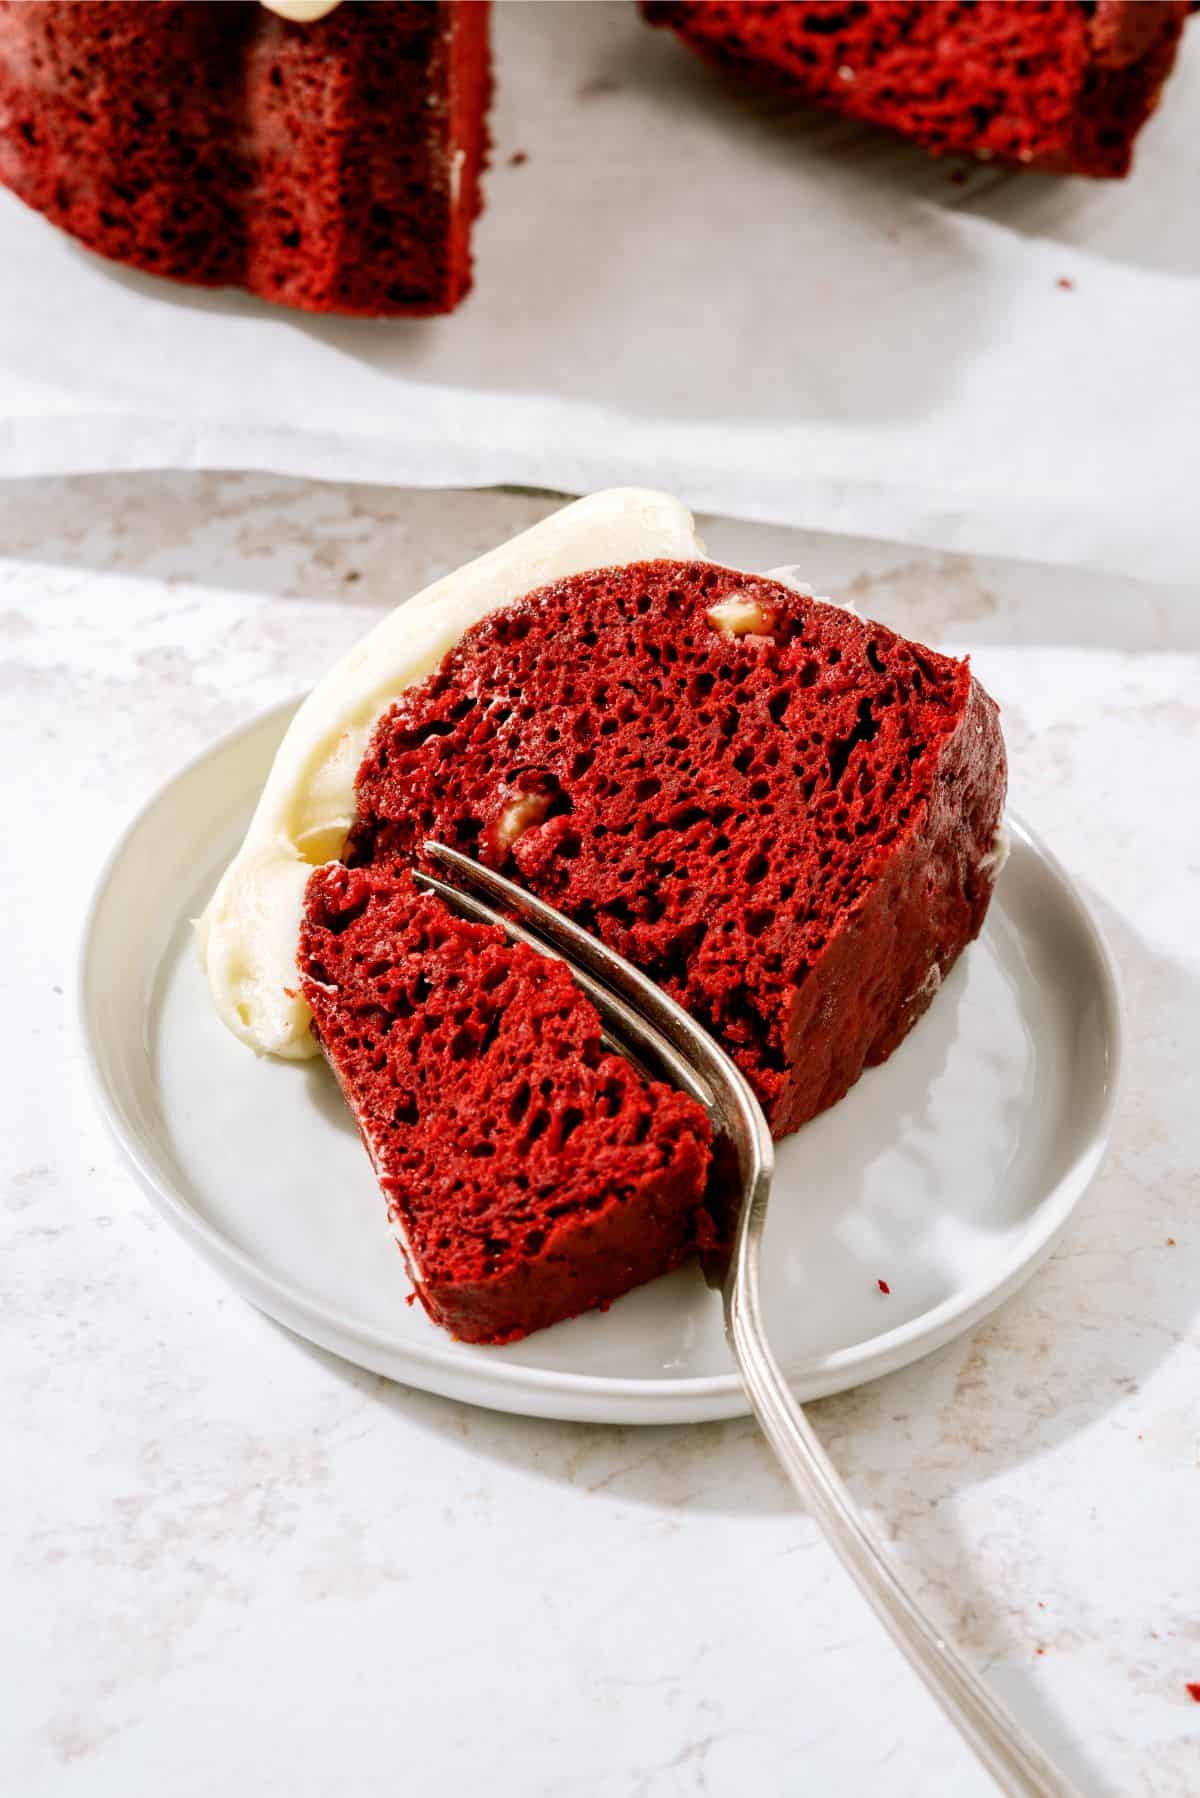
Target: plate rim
538	1391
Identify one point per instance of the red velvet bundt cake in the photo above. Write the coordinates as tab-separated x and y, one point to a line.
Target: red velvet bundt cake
783	814
332	165
531	1175
1063	85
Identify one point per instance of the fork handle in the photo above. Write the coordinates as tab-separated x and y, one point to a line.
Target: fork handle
1018	1766
632	1004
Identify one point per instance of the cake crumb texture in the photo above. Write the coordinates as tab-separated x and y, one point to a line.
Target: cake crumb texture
331	166
531	1173
783	814
1062	85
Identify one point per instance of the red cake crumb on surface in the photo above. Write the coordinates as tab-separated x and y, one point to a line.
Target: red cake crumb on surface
332	166
884	1288
1063	85
783	814
1193	1690
531	1174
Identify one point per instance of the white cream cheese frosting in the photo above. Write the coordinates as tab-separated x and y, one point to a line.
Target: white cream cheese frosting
249	933
1001	848
789	576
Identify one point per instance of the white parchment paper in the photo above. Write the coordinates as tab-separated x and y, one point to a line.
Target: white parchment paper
774	314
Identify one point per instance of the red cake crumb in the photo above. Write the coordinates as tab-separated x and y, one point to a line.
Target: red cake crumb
1066	283
783	814
1063	85
332	166
530	1174
884	1287
1193	1690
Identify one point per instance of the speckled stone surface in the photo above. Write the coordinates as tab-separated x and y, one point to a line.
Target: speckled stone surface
231	1563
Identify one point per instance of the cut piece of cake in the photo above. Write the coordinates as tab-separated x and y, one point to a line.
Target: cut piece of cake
530	1173
781	813
1063	85
248	933
331	165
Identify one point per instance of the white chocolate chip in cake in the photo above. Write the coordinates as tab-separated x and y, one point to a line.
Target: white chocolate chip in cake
521	813
301	12
738	615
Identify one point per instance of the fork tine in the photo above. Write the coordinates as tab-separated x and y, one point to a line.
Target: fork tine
649	1003
625	1031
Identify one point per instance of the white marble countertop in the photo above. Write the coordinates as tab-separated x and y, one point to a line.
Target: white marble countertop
233	1563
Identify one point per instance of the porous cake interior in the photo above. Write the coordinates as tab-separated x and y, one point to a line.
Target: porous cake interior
531	1173
711	771
1060	83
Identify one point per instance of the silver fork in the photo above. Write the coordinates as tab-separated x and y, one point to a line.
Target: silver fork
660	1037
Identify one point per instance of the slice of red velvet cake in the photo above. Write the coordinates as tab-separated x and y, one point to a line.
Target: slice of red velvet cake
783	814
531	1175
1063	85
332	165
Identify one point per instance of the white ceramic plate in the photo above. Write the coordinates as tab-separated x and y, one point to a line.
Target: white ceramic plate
948	1173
